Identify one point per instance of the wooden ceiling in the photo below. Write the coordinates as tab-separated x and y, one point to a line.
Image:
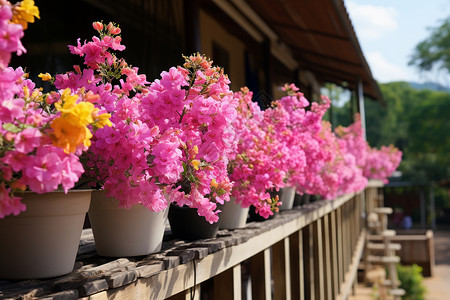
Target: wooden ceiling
321	37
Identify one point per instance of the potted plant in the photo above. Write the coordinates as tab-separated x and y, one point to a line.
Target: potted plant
133	161
41	137
194	100
252	166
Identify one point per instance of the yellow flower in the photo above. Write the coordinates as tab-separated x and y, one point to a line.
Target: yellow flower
69	136
81	114
26	92
195	163
25	13
67	102
102	120
45	77
214	183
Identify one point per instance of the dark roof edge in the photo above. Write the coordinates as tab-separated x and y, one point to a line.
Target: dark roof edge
345	19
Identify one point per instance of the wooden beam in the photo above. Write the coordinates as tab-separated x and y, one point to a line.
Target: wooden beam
281	270
327	261
318	260
261	276
227	285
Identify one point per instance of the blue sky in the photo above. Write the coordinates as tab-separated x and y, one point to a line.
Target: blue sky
389	30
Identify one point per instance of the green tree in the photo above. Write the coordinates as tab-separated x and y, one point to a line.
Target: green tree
433	53
417	122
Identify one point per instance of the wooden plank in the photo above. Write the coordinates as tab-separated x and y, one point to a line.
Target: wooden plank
350	276
191	294
227	285
374	183
281	270
340	241
260	276
182	277
334	253
318	260
308	255
296	258
327	262
301	265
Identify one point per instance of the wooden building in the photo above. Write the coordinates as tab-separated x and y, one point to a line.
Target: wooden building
262	44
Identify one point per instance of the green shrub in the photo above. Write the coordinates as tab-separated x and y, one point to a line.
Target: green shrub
411	281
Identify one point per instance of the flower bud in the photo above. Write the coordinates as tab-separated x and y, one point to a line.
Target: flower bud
97	26
115	30
45	77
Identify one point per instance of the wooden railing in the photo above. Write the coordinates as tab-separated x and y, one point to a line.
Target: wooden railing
309	252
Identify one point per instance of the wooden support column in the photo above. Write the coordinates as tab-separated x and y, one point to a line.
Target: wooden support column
308	252
334	253
327	267
318	260
227	285
362	112
297	266
352	221
340	241
281	270
260	276
345	237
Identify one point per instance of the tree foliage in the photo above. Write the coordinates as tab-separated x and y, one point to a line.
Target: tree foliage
417	122
433	53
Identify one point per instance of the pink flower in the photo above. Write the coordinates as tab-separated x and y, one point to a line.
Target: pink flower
11	109
27	140
15	160
9	204
71	169
43	172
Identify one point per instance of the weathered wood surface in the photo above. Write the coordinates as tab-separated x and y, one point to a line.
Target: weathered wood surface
182	265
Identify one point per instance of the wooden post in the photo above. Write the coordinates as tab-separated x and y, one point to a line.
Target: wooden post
318	260
340	241
362	112
308	248
327	266
297	265
227	285
281	270
260	276
334	253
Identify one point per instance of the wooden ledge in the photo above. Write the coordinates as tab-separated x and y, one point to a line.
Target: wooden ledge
170	271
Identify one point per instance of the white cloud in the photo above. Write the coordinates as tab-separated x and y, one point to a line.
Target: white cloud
385	71
370	21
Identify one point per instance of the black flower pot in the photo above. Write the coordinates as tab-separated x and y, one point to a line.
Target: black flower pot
253	216
186	224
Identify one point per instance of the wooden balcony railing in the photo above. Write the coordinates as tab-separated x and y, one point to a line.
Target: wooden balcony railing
309	252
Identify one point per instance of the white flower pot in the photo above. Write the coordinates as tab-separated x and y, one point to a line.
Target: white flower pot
232	215
287	195
120	232
43	241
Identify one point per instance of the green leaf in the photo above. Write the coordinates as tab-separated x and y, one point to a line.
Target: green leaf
11	127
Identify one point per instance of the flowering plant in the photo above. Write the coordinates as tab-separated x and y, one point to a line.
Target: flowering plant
41	135
252	167
381	163
119	159
168	138
374	163
315	160
194	100
303	152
